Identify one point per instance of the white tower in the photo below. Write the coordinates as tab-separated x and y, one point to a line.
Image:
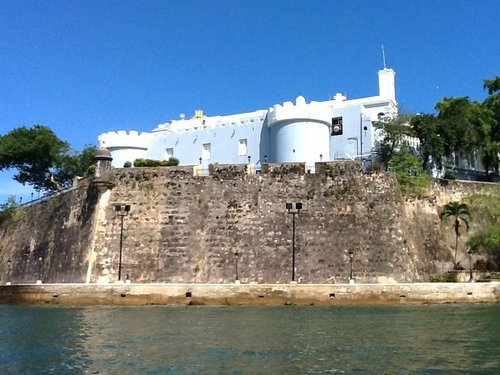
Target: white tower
387	83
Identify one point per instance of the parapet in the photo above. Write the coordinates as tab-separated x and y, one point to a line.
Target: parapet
123	139
301	110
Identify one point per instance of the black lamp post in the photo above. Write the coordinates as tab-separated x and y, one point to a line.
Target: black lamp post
320	157
249	158
236	255
40	264
9	265
289	207
351	258
471	278
121	210
265	158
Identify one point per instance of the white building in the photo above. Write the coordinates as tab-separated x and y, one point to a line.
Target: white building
298	131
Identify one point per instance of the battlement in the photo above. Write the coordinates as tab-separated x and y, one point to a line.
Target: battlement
211	122
123	139
315	111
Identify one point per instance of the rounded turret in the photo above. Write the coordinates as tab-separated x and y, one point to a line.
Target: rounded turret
102	162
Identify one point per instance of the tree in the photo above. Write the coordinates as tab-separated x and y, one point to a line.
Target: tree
8	208
75	164
394	130
493	85
492	103
461	214
408	169
454	125
426	129
42	160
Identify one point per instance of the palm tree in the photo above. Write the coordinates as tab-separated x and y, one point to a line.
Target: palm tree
461	213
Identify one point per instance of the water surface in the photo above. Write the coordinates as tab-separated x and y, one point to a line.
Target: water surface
429	339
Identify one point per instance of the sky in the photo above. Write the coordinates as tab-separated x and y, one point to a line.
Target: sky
87	67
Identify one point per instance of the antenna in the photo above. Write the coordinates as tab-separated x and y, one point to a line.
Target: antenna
383	55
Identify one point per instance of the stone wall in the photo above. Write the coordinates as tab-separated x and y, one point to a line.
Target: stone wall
186	229
49	240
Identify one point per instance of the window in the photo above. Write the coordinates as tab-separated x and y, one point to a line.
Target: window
169	153
337	126
242	147
206	152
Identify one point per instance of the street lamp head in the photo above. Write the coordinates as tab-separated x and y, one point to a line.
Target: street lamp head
265	158
122	209
298	206
288	206
249	158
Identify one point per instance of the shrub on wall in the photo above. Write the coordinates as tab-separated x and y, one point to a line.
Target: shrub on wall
127	164
450	277
170	162
146	163
409	172
156	163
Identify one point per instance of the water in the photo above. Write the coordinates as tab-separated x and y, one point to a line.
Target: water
430	339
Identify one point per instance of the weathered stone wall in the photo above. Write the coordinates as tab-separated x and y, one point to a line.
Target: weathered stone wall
58	230
186	229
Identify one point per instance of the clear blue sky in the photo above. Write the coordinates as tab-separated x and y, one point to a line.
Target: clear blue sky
86	67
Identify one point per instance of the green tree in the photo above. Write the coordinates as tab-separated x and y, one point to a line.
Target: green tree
408	169
454	125
492	84
41	159
461	214
8	208
394	131
426	129
68	166
492	103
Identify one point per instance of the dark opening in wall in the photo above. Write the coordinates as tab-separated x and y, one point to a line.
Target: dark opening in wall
189	294
332	295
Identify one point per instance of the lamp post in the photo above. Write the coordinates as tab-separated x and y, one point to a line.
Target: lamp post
471	278
237	277
351	258
289	207
121	210
249	158
40	264
9	265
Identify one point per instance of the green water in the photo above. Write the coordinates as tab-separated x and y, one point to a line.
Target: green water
431	339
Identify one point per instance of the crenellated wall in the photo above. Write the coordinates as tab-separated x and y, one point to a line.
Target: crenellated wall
187	229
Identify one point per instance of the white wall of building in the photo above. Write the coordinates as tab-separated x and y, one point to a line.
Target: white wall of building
288	132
